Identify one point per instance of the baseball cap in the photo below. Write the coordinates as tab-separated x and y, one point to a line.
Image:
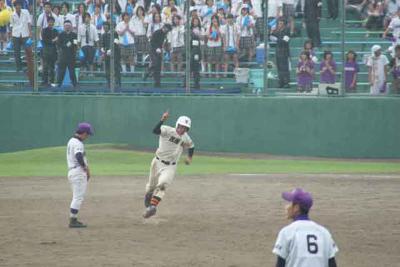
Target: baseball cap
85	127
299	196
375	48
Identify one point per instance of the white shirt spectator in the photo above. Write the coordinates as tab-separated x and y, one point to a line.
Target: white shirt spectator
69	17
92	35
96	19
214	42
274	8
153	27
20	24
207	12
395	26
257	8
177	36
121	27
42	20
231	34
245	31
139	26
122	4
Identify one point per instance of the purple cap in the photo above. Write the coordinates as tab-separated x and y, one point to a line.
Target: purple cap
298	196
84	127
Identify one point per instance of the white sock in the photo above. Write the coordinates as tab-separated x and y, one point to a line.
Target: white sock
71	215
123	66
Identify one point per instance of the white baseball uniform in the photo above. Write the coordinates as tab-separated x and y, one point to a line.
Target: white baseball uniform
163	166
76	174
305	243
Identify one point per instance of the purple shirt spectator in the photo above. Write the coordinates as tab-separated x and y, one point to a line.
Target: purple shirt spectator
350	72
326	75
304	78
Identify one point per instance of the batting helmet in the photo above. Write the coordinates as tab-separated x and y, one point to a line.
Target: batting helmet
184	121
84	127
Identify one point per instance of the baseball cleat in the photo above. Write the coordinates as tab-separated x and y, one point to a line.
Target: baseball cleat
74	223
150	211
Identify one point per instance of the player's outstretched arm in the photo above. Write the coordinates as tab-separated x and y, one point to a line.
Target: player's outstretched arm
188	160
157	128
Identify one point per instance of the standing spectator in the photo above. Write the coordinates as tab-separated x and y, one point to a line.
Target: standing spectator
3	31
333	9
207	12
177	41
66	15
195	59
49	38
156	50
87	39
57	18
106	49
282	53
167	12
246	30
126	32
327	69
154	25
98	19
395	68
214	46
67	42
288	13
231	43
141	41
351	70
377	71
21	30
80	17
305	73
312	16
258	16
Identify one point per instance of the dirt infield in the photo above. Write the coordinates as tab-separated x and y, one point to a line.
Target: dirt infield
228	220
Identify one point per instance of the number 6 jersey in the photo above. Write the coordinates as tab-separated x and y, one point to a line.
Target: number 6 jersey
305	243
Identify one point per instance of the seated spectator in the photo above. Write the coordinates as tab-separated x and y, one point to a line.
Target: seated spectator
375	15
355	9
305	73
351	70
394	28
327	69
377	71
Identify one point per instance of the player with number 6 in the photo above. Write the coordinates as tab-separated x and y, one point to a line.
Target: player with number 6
303	243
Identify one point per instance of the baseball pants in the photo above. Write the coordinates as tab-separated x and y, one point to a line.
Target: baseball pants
78	181
161	176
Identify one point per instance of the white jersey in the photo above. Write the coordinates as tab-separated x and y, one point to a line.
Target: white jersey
305	243
75	146
171	144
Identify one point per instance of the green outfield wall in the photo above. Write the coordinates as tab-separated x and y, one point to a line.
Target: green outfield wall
301	126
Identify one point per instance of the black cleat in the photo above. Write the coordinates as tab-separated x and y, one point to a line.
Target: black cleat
74	223
150	211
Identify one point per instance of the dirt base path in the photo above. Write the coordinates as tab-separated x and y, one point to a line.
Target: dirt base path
227	220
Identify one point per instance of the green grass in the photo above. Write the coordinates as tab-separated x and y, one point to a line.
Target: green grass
119	160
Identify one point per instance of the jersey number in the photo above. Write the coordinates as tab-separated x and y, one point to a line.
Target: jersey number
312	245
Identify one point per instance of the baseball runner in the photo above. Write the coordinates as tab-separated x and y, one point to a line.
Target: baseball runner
78	171
303	243
172	141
